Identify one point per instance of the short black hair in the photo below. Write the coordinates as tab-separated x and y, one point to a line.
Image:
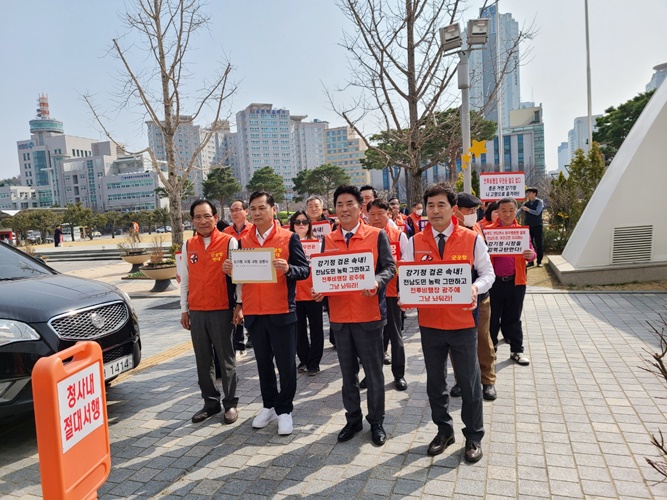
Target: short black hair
415	204
244	204
394	198
532	190
379	203
507	199
201	201
368	187
489	209
348	189
437	190
259	194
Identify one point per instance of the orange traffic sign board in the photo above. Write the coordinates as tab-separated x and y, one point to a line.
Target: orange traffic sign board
71	422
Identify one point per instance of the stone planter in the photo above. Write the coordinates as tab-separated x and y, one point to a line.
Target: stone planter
161	275
136	259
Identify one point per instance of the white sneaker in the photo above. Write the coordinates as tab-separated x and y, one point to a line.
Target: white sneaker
285	424
264	418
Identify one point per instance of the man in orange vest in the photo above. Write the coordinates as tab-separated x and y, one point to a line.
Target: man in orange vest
270	312
466	213
509	289
239	227
452	330
415	217
378	216
207	297
357	320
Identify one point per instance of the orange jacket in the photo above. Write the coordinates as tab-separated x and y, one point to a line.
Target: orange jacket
460	246
207	284
232	232
415	222
520	273
394	236
345	308
269	298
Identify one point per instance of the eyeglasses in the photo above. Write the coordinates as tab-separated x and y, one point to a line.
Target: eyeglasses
300	222
206	217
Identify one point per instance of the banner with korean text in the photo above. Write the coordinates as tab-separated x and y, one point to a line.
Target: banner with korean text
311	247
425	284
496	185
321	228
342	272
507	240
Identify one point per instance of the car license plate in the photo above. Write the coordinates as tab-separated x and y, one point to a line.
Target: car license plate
118	366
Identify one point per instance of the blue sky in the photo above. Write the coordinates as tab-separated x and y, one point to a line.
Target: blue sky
285	51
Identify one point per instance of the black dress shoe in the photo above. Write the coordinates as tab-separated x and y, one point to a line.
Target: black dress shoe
363	384
455	392
400	384
387	359
489	392
204	413
378	435
473	451
350	429
439	443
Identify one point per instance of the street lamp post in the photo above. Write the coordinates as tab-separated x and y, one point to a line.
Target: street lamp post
450	40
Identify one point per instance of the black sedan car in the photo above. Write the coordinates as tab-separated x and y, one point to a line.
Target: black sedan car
43	312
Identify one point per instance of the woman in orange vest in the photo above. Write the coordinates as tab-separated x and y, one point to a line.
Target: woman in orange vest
308	311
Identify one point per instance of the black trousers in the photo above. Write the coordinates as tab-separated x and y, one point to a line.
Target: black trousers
275	341
354	343
211	333
462	346
309	351
536	237
506	307
392	333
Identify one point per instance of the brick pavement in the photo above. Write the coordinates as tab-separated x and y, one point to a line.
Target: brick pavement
574	424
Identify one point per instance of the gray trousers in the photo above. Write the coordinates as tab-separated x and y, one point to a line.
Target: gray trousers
354	343
213	330
462	345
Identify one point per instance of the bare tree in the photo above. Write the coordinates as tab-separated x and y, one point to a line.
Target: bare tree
396	64
165	29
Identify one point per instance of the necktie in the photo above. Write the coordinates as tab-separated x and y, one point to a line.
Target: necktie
348	237
441	245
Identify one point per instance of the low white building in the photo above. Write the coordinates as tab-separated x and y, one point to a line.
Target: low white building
18	198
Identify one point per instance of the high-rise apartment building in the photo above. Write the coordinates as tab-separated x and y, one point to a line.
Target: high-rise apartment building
577	136
563	157
658	77
483	68
307	142
188	138
346	150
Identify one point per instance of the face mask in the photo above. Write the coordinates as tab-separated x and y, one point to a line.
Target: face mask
469	220
419	212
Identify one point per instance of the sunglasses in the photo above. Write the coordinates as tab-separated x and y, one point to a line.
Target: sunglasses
300	222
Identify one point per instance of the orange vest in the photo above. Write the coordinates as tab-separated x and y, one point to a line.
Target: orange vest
232	232
394	236
460	246
346	308
304	289
415	221
268	298
207	285
520	273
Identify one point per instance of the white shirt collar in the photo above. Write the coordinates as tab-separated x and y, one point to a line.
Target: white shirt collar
447	232
262	237
353	231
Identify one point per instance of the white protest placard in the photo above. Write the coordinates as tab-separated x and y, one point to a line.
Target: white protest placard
496	185
311	247
179	262
342	272
321	228
434	285
253	265
79	400
395	250
507	240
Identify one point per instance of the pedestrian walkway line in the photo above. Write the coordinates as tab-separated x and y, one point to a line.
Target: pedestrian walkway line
172	353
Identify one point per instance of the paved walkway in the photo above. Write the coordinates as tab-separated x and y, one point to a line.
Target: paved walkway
574	424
